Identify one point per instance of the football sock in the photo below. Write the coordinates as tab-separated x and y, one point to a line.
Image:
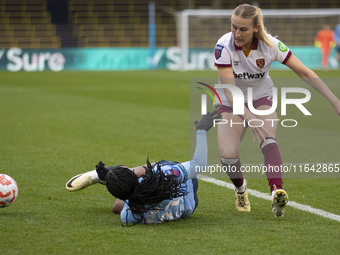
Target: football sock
273	162
94	175
233	169
242	188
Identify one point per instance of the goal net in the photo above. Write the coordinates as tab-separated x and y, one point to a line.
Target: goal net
295	27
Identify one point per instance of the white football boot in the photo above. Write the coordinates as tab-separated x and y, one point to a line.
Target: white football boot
82	181
279	201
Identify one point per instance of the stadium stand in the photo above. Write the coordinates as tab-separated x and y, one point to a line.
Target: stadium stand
124	23
26	24
118	23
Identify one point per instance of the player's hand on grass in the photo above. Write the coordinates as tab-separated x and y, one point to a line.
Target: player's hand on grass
101	171
207	121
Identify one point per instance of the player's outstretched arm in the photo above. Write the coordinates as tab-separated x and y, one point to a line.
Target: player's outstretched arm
200	157
207	121
314	81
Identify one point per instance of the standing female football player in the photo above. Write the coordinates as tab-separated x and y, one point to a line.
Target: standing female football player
243	58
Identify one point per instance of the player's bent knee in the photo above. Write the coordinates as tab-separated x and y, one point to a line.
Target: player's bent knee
229	150
229	153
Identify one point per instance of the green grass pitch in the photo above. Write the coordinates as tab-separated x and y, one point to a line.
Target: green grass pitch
56	125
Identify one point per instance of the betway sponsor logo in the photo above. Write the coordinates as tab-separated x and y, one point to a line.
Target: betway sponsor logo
248	76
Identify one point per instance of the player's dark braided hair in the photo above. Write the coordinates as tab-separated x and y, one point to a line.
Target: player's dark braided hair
153	188
121	182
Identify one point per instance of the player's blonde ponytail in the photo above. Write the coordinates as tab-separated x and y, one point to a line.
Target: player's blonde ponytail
247	11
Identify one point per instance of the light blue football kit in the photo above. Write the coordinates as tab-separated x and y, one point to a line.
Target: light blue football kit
180	207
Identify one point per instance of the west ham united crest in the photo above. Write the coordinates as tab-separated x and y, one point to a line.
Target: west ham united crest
260	62
218	51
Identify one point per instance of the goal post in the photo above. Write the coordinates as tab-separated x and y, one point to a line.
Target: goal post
282	21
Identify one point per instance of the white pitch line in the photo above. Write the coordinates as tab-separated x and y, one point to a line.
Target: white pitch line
265	196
